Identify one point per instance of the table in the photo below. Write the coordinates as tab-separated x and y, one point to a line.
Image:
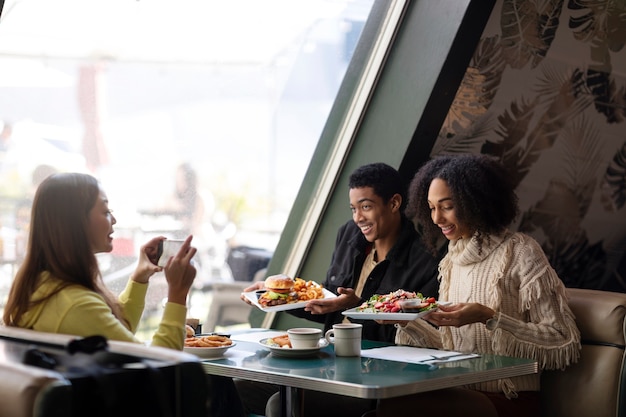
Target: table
360	377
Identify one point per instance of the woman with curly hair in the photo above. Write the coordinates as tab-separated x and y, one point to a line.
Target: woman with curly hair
505	297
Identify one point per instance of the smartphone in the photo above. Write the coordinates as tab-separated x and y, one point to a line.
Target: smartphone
166	249
159	251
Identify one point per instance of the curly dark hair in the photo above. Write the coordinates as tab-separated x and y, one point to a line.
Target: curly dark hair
482	191
384	179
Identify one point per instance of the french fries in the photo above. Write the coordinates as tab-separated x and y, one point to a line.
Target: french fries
208	341
307	290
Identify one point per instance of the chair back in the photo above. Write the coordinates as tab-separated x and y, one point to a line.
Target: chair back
596	384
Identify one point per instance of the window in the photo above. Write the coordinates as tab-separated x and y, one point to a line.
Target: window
232	95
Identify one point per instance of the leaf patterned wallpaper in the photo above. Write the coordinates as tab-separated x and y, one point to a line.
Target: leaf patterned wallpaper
546	93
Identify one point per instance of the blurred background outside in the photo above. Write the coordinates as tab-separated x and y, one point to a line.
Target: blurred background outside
197	116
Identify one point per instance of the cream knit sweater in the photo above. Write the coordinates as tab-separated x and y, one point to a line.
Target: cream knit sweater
513	277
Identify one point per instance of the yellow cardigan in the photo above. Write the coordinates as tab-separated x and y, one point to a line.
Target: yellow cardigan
75	310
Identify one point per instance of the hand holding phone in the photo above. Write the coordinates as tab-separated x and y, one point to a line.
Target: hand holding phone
168	248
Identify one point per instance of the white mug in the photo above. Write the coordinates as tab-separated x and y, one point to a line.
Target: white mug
346	337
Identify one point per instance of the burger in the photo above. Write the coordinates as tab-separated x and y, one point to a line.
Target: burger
278	290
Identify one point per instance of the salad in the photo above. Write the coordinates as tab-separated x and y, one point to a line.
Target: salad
397	301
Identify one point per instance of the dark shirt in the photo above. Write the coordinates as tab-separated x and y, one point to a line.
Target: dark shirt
408	266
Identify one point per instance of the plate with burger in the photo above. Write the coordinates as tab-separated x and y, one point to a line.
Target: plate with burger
282	293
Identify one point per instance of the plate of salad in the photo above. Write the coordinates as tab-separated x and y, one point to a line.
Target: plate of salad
396	305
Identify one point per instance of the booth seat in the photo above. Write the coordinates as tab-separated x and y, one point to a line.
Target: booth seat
596	384
49	375
24	390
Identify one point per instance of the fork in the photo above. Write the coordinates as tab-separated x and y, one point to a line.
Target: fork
447	358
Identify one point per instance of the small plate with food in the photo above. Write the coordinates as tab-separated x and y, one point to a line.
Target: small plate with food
281	347
208	346
285	293
396	305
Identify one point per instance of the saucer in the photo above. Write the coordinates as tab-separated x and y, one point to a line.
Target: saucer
291	352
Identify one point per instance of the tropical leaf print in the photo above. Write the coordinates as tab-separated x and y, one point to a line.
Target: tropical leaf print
528	29
478	87
581	153
614	184
467	123
464	141
602	25
556	215
556	221
578	263
512	128
608	100
490	63
521	147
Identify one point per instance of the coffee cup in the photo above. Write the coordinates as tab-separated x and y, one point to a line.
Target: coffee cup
346	337
304	337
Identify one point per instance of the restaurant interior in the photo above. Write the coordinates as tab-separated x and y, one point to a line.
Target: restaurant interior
274	104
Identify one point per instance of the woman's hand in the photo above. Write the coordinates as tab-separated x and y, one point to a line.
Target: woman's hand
147	263
346	299
460	314
180	273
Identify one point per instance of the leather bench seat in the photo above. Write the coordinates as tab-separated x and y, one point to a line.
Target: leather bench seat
596	385
25	390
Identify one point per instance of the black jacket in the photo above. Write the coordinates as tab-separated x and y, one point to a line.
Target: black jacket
408	266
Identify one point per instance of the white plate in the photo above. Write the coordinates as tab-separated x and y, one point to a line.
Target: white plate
291	352
373	315
208	352
252	297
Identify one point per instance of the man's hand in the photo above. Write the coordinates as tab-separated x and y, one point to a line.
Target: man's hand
259	285
346	300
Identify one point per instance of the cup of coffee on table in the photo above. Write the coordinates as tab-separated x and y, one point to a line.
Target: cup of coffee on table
304	337
346	337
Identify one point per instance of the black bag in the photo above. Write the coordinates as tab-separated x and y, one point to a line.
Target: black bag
105	381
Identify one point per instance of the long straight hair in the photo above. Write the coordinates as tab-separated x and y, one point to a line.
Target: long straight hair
58	243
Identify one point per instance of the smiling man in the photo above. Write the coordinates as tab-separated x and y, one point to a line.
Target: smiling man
377	252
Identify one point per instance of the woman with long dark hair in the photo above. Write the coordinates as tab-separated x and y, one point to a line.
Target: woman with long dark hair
59	287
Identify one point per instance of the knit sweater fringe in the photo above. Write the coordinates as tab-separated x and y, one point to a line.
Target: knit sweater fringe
504	341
